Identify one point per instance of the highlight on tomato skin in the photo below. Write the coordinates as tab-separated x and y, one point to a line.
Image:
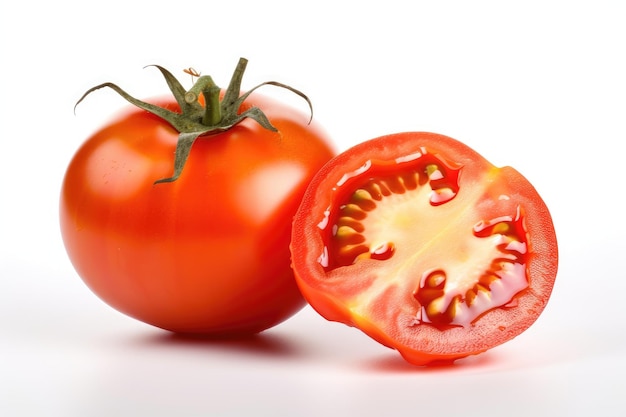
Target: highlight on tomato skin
424	245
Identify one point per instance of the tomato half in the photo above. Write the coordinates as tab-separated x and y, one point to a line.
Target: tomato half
209	252
425	246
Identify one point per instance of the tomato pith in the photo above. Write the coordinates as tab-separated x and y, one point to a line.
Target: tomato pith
209	252
424	245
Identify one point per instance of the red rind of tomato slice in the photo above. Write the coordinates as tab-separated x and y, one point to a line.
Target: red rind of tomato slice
425	246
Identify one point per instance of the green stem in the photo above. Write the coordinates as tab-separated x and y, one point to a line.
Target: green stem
211	92
212	109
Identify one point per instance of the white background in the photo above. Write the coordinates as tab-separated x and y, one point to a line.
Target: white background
538	85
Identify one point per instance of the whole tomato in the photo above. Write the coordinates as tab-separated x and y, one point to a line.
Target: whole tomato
204	250
425	246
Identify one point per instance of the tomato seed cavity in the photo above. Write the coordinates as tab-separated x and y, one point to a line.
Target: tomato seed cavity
443	298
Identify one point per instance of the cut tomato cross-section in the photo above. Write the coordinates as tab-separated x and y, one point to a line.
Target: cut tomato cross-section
424	245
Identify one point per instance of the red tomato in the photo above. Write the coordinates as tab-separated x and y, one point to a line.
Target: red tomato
425	246
209	252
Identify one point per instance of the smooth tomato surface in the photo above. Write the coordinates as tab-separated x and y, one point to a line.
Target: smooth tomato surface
424	245
209	252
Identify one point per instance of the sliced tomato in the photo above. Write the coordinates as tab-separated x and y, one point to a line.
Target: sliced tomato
425	246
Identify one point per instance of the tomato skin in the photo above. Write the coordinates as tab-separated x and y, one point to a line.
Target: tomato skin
207	253
344	293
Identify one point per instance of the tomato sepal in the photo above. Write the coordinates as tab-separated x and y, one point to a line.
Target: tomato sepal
194	119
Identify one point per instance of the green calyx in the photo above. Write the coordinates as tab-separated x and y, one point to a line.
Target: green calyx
195	120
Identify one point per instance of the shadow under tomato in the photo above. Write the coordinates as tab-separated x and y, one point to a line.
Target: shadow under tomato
394	363
266	343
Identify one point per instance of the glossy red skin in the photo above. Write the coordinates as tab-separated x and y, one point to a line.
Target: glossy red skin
333	294
208	253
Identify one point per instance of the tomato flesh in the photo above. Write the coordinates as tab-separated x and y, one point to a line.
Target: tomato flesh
423	244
